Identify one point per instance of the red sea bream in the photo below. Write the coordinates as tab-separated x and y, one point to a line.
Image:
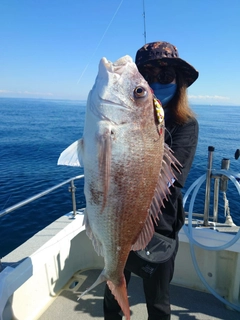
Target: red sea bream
127	168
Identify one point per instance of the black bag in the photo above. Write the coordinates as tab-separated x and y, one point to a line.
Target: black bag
145	262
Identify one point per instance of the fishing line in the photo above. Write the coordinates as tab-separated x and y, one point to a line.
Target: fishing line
100	40
170	136
99	43
7	201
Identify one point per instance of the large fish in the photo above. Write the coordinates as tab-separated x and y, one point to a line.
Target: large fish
127	168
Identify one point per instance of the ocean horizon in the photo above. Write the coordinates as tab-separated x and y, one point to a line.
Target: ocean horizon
33	133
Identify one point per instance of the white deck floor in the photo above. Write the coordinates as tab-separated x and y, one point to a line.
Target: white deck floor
187	304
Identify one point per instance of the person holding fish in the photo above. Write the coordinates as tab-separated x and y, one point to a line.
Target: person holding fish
169	77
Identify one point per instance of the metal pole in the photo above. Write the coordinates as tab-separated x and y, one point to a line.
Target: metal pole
72	189
215	201
224	180
37	196
208	186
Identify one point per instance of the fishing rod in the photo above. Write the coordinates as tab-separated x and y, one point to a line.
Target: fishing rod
144	24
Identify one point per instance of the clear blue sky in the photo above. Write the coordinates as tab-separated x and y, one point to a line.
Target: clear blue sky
51	48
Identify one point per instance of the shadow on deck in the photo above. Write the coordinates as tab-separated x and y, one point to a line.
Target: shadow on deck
186	304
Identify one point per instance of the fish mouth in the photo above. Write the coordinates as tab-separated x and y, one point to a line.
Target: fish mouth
114	88
115	67
112	72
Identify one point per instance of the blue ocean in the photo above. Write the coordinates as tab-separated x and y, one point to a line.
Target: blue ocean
33	133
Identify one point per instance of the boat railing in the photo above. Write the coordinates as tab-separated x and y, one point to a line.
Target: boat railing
221	178
72	189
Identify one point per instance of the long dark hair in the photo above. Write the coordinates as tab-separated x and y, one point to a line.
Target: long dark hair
178	106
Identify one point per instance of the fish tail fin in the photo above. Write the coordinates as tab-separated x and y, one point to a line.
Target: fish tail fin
120	294
99	280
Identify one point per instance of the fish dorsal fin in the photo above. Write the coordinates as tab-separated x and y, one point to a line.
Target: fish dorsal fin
145	235
72	156
165	180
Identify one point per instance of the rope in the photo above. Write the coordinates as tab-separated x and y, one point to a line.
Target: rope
229	219
226	205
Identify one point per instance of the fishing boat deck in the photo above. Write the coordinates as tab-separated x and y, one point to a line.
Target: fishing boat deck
186	303
63	237
219	227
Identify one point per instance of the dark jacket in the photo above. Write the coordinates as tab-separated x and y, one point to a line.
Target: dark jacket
182	139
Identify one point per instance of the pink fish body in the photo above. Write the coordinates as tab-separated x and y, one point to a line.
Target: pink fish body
127	168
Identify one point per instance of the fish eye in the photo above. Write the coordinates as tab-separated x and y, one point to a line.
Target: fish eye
139	92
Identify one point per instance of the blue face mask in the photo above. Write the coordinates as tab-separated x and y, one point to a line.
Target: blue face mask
164	92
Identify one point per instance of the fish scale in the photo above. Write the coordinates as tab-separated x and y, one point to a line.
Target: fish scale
127	168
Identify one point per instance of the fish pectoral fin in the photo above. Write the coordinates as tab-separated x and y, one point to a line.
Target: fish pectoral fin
72	156
120	294
145	235
104	160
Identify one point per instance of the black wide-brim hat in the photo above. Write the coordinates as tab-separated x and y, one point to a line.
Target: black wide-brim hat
162	54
